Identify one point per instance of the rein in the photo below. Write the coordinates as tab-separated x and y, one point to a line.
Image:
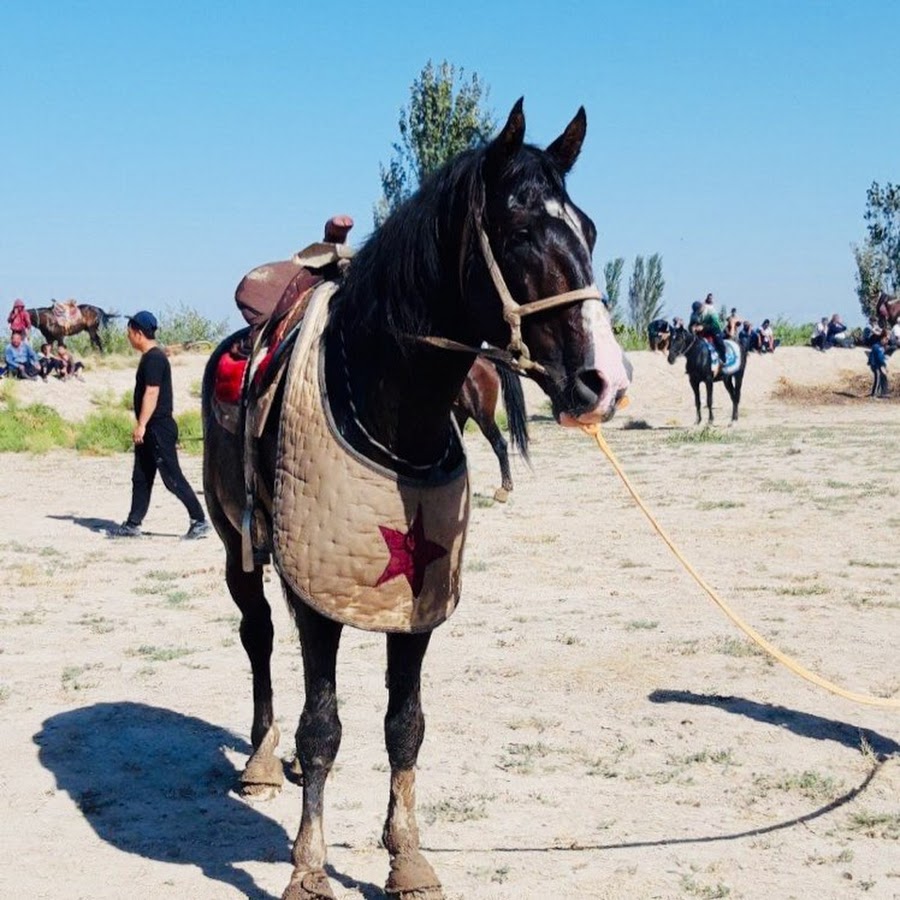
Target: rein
752	633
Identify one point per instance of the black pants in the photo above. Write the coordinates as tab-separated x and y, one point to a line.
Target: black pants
158	454
879	384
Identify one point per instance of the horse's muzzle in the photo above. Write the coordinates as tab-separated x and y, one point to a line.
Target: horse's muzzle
595	397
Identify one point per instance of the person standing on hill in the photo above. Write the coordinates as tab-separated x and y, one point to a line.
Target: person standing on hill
19	319
878	365
155	434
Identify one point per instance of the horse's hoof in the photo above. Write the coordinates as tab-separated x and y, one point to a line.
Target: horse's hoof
308	885
259	792
501	495
263	775
412	878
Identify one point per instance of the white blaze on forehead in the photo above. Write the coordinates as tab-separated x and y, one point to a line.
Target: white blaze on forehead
566	212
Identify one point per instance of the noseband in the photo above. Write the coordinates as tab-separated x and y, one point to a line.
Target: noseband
516	355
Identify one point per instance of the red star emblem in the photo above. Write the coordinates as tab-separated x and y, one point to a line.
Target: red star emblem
410	553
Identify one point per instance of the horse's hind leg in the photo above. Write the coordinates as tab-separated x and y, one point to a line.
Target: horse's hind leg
498	443
263	775
696	386
411	877
709	392
318	740
94	335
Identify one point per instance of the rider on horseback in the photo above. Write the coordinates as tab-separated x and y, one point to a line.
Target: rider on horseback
705	322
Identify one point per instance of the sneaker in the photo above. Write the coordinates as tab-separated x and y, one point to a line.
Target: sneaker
199	528
126	529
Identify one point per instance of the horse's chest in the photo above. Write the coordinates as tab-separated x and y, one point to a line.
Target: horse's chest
353	540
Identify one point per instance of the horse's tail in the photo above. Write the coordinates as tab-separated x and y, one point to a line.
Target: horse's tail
516	414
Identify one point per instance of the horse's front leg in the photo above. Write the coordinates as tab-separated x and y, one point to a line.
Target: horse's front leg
404	728
318	740
696	386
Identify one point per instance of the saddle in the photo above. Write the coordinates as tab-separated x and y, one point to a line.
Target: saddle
67	314
273	298
732	361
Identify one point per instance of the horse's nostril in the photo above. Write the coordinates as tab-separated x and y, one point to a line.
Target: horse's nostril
589	385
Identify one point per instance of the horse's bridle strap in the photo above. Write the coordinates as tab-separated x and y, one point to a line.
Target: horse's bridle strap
516	356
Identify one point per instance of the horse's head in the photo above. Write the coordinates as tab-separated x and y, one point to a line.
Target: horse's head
536	245
679	342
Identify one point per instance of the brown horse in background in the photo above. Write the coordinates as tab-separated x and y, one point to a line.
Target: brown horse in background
92	319
478	401
887	309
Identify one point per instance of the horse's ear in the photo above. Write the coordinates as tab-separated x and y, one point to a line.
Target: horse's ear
567	146
508	143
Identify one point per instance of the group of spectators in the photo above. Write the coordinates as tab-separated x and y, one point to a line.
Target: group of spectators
830	333
20	359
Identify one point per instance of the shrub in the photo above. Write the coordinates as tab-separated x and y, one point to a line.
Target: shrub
181	324
36	428
104	432
190	431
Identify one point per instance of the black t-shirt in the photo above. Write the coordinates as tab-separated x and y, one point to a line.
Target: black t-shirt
154	371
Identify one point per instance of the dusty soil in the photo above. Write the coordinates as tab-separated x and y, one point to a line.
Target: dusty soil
595	727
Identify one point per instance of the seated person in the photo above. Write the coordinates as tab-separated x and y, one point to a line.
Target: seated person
21	360
48	363
72	366
836	329
767	342
658	333
747	336
819	338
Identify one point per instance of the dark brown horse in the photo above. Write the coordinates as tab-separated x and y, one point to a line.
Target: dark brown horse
490	249
478	401
887	310
91	320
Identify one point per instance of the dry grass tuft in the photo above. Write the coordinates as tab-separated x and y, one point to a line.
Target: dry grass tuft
853	388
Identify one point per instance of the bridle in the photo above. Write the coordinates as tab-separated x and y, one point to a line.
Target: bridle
516	356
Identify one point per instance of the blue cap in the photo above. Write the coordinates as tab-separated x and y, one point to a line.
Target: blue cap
144	322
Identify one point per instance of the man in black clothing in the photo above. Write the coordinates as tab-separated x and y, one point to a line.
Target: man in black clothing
155	434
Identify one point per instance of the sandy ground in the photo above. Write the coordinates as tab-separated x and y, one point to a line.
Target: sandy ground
595	726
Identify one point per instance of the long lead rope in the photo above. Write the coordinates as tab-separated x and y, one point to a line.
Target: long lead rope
755	636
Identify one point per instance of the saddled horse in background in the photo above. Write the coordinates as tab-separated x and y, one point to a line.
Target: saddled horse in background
490	249
699	369
91	320
477	400
887	310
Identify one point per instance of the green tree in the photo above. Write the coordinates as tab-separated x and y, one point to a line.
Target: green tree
878	259
612	272
445	116
645	290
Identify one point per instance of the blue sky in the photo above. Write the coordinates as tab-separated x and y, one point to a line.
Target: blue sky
153	153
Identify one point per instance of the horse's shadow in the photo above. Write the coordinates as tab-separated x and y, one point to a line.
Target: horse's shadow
155	783
803	724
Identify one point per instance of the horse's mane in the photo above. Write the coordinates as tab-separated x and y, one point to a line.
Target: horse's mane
410	267
400	273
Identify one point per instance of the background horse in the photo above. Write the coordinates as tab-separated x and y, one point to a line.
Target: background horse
496	223
92	319
887	310
478	401
699	369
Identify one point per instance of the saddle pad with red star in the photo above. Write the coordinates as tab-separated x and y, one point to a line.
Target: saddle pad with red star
358	543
